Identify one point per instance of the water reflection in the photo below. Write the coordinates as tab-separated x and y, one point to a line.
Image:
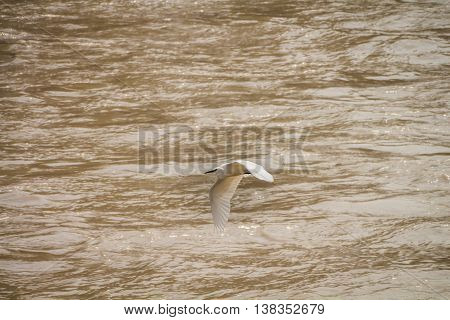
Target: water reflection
369	220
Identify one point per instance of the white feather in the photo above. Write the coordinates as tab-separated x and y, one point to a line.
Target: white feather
256	170
220	197
228	177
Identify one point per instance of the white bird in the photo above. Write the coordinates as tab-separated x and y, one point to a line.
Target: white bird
228	177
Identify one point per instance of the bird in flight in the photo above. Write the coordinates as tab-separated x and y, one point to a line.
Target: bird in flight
228	177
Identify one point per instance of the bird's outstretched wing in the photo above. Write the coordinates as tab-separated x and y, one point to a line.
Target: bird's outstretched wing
256	170
220	197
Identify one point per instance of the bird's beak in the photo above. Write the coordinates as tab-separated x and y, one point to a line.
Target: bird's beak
213	170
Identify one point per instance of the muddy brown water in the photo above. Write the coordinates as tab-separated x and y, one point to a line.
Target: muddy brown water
366	217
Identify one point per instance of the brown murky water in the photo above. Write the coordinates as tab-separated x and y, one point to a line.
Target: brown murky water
370	218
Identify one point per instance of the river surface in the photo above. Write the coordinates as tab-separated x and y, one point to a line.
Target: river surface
361	212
